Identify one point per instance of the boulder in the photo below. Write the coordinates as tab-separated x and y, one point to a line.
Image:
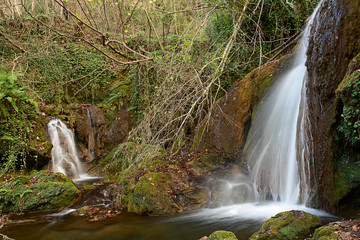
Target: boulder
221	235
39	191
288	225
152	195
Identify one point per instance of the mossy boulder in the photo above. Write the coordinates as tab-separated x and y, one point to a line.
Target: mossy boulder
326	233
288	225
39	191
221	235
152	195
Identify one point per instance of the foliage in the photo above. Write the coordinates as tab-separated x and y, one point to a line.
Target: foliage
350	123
17	118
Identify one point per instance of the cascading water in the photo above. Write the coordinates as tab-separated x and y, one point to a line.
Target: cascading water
64	155
271	147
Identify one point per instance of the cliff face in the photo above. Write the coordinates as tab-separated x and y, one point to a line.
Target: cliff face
334	42
230	122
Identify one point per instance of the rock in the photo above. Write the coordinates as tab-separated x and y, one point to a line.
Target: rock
338	230
193	198
333	44
152	195
221	235
229	125
38	192
325	233
288	225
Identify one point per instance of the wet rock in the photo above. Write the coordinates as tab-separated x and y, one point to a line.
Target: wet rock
40	191
152	195
333	44
221	235
288	225
193	198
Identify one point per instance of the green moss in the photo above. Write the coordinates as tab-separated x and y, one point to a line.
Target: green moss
326	233
150	195
40	191
288	225
222	235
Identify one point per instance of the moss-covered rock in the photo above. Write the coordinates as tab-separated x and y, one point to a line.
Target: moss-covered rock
348	229
325	233
221	235
152	195
40	191
288	225
229	125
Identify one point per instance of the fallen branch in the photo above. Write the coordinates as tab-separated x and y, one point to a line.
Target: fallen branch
11	42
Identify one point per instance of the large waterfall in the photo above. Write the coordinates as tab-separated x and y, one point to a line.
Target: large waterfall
271	147
65	158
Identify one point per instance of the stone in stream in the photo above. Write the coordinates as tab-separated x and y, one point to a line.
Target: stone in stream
221	235
39	191
288	225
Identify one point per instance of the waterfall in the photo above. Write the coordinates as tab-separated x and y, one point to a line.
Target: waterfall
271	147
64	154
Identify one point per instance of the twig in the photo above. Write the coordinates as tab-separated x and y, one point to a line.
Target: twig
11	42
6	237
156	34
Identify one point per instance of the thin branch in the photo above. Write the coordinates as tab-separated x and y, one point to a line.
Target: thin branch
11	42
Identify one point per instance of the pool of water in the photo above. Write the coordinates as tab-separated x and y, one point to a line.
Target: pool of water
242	219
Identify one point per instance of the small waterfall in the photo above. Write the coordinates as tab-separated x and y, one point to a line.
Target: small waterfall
64	154
271	146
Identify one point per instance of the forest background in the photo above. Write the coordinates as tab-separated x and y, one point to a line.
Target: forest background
167	61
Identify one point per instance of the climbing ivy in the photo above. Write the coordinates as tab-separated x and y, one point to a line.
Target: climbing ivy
17	118
350	123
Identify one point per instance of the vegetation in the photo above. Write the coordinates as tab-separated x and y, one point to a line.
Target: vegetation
17	119
171	60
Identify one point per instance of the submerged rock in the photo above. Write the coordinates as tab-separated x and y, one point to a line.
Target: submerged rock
38	192
288	225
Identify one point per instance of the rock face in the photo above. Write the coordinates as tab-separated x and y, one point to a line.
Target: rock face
332	45
230	123
288	225
38	192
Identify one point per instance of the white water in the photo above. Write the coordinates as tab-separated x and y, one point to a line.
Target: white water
271	145
65	158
